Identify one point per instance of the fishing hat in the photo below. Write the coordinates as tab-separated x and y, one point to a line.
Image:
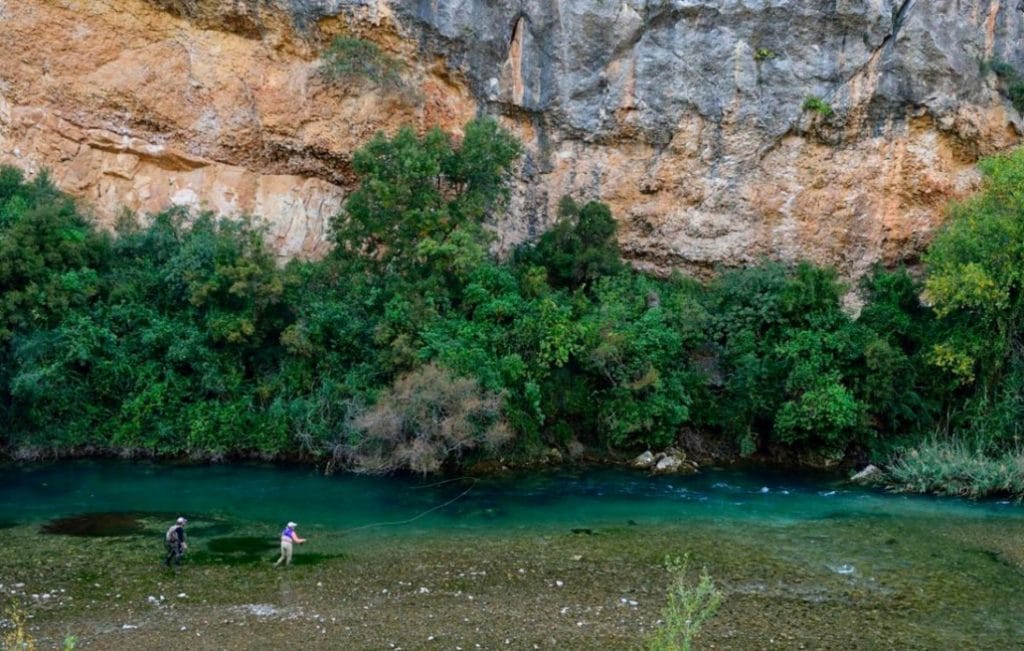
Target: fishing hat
292	524
181	521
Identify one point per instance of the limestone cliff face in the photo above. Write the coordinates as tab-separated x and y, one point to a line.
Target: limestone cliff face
685	115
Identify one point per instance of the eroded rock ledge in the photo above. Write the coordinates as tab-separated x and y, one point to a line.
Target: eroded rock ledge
686	116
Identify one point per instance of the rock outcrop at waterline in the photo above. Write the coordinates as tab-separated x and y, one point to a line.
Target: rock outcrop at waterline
686	116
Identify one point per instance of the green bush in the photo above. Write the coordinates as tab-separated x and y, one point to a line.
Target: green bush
1012	82
975	284
348	57
689	607
427	420
818	105
956	467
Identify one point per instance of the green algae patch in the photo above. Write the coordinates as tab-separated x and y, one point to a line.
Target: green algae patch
96	525
816	584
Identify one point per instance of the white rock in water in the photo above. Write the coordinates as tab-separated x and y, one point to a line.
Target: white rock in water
869	472
668	464
645	460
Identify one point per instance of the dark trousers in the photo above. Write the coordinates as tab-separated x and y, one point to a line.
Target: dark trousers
174	553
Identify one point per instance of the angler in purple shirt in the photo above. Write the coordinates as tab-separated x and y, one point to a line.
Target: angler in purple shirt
288	536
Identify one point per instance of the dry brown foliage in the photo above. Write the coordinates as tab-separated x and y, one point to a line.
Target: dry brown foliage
427	418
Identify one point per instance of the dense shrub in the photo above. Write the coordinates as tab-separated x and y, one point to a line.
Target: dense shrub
427	419
957	467
818	105
349	57
411	346
976	285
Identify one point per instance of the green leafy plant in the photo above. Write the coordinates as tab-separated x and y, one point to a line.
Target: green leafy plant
764	54
689	607
1012	82
953	466
349	57
818	105
16	635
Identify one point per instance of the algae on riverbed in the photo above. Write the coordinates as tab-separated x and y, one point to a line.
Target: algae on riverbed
929	589
562	561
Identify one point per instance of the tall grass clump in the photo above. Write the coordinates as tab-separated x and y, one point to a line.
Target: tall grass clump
956	467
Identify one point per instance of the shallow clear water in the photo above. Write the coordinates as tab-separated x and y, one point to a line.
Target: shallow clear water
825	563
580	499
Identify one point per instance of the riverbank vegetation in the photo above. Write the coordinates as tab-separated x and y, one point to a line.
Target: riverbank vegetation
181	335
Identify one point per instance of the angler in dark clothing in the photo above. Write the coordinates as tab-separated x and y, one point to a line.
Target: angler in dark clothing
176	544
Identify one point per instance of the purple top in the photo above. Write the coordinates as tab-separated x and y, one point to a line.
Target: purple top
288	533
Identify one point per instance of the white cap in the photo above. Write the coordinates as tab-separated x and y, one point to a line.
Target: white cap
181	521
292	524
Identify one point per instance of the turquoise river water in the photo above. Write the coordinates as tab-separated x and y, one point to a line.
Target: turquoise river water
804	562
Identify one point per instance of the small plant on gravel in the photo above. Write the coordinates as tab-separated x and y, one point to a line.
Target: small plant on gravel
818	105
763	54
689	607
17	637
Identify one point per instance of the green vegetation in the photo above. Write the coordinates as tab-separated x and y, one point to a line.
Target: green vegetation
818	105
412	347
955	467
1012	82
689	607
764	54
356	58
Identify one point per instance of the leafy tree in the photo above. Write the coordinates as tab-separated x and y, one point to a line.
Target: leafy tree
975	275
580	248
422	198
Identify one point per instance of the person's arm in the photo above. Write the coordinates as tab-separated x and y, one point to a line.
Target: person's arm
296	538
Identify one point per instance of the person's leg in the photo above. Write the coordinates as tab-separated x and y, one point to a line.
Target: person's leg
170	555
281	558
288	552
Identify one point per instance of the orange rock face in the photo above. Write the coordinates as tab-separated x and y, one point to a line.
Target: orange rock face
130	106
141	104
